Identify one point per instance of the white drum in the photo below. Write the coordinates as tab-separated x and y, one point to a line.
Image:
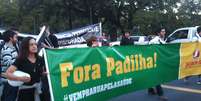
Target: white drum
18	74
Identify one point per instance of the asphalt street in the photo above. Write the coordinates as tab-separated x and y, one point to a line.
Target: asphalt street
177	90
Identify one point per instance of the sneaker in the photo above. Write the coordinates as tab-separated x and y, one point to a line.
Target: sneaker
151	93
199	82
163	98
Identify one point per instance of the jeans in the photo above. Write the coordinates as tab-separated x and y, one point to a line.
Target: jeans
9	92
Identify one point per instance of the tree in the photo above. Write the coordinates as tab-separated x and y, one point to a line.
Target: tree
141	16
8	12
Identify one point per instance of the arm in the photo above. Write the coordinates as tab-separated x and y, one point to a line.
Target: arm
43	69
46	46
6	61
7	58
10	76
54	41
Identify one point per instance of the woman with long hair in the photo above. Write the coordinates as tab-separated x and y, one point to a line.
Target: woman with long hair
29	62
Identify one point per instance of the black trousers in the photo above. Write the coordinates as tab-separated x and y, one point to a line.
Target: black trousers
26	95
45	96
159	90
9	92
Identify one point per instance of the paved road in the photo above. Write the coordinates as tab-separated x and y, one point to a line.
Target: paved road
175	91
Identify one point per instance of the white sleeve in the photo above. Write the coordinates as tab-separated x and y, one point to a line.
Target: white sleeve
155	40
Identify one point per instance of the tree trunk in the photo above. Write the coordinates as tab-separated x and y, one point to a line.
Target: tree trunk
70	15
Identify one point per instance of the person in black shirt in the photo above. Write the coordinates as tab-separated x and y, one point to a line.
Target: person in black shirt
29	62
126	40
53	39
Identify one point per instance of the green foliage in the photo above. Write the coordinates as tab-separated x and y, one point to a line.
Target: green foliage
140	16
8	13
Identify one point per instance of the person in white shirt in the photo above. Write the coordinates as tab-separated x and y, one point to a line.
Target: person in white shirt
160	39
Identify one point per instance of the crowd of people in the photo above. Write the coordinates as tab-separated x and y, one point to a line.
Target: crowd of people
159	39
24	57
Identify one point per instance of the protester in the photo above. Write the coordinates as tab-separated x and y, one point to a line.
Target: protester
29	62
199	39
92	42
52	38
45	96
126	40
158	40
8	56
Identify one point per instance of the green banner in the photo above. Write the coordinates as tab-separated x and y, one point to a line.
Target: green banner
89	74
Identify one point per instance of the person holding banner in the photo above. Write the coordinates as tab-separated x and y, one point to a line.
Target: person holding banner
53	43
126	40
158	40
29	62
92	42
199	39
